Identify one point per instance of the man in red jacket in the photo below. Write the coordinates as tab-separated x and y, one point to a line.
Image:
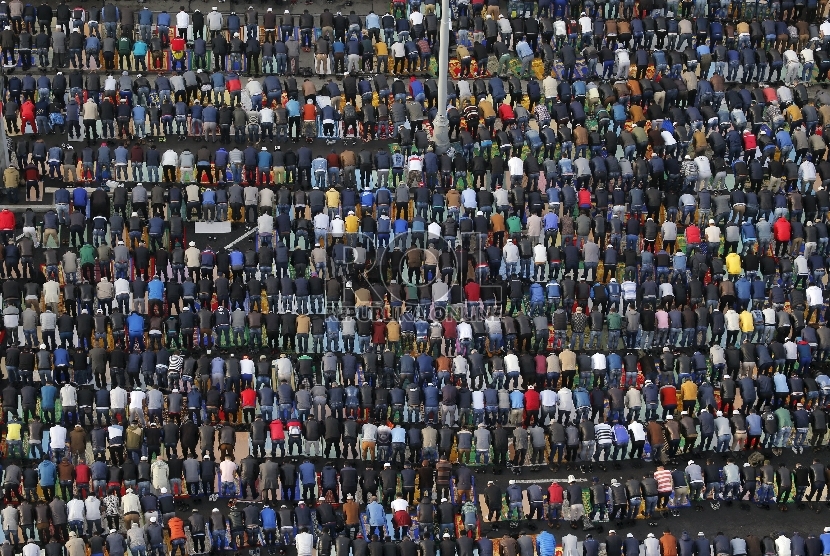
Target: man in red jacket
782	232
32	176
668	399
277	433
750	143
248	396
82	476
692	237
178	49
532	405
27	114
555	499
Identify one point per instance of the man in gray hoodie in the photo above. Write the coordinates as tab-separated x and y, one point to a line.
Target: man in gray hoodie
136	540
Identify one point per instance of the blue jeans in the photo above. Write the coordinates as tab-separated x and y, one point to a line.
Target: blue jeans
800	438
177	544
495	342
651	505
634	507
219	538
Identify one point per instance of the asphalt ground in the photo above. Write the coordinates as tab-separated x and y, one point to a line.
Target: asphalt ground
731	519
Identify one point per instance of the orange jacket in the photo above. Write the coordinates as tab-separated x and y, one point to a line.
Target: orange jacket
176	526
309	112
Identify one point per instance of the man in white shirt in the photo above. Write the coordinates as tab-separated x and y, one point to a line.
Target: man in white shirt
792	65
629	293
110	84
548	399
118	400
214	22
549	86
182	23
801	270
460	365
247	369
565	405
51	295
92	506
415	164
57	441
469	201
265	226
369	434
169	163
815	301
733	325
338	227
511	363
266	120
510	252
669	140
285	369
598	365
465	336
623	62
137	398
254	88
478	405
321	228
304	542
399	54
227	469
806	174
69	399
783	545
712	234
560	31
75	515
416	18
515	166
401	505
638	438
31	549
433	231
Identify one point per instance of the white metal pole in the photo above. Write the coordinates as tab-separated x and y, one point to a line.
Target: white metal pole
440	125
4	151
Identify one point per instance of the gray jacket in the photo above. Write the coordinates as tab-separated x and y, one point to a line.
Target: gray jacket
135	536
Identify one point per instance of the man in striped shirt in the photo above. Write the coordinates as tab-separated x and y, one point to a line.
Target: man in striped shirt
604	437
664	486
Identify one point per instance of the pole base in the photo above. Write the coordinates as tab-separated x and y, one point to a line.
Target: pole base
441	133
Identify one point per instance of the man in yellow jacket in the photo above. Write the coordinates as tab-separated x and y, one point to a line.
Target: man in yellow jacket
688	395
733	265
747	325
352	226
